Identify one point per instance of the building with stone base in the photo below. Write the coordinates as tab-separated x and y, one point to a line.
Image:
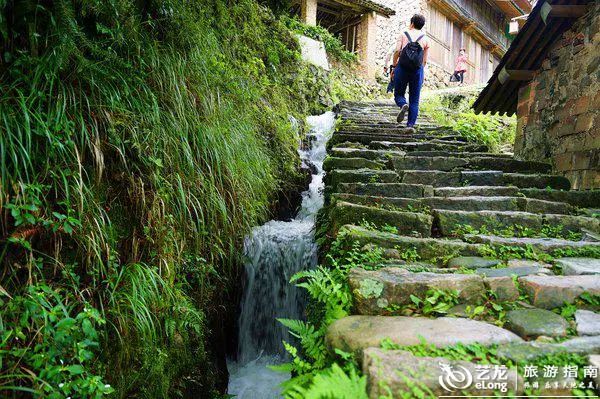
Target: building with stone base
372	28
479	26
550	77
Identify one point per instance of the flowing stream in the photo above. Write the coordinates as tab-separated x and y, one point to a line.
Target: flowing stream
274	252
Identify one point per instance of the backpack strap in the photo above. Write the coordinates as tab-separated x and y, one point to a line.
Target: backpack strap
407	35
420	37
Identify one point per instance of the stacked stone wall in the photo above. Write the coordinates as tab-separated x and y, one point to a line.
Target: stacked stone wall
559	111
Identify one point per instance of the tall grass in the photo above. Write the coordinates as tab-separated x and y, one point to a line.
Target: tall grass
139	142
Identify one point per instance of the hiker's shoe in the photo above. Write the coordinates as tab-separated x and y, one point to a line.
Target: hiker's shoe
402	112
410	130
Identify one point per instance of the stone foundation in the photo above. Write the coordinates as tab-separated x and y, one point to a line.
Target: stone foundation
559	111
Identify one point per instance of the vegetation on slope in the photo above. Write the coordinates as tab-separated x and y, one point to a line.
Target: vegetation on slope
454	110
139	142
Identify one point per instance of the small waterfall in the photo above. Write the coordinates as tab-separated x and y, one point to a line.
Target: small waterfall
274	252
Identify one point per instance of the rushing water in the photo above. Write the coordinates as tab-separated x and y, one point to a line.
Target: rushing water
275	251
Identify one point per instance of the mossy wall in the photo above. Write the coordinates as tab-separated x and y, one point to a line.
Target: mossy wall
139	143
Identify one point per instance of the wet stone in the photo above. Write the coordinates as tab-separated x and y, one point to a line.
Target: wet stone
532	323
550	292
487	191
528	351
406	223
356	333
588	322
512	271
526	263
375	291
503	287
578	266
332	163
473	262
394	190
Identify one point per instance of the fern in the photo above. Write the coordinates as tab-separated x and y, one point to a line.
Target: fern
311	340
332	383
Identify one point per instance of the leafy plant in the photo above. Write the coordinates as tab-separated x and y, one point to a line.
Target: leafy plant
49	343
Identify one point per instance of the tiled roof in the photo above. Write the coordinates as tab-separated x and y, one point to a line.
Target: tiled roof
373	6
527	52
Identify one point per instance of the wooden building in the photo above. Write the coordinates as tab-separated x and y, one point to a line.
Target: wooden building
550	77
479	26
353	21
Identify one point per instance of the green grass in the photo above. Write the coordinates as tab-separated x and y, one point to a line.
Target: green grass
139	142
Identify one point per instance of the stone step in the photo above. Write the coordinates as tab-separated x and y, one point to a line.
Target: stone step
514	271
448	221
354	334
426	146
396	245
482	191
483	178
588	322
406	223
332	163
582	199
386	190
367	138
578	266
532	323
377	292
548	292
472	203
402	372
456	154
526	352
450	163
382	128
382	202
373	155
336	177
545	245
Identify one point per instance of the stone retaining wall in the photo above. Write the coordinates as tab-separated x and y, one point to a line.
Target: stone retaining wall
559	111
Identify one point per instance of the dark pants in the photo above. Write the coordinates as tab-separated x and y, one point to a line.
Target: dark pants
414	81
460	76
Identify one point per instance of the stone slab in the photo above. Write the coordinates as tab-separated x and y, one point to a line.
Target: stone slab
532	323
541	244
406	223
473	262
528	351
395	190
487	191
336	177
426	248
588	322
375	291
578	266
332	163
398	372
512	271
356	333
548	292
503	287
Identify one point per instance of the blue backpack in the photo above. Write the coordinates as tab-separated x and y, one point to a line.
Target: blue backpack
411	57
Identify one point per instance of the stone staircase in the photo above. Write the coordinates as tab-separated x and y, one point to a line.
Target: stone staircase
430	204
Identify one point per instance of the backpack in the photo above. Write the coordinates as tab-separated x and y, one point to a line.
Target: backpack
411	57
